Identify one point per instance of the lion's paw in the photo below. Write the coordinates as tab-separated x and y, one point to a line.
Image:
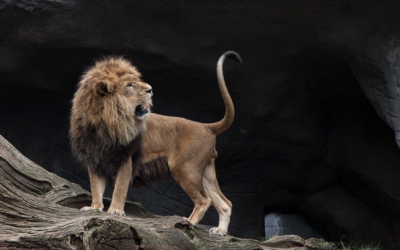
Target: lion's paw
91	208
116	211
217	231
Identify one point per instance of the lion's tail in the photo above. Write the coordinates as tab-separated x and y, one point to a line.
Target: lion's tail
219	127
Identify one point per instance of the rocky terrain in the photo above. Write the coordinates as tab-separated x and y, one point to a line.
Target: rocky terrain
39	210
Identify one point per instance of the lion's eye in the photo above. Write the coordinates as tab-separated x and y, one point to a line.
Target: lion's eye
130	85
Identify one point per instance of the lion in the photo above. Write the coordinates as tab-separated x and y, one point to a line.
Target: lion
115	135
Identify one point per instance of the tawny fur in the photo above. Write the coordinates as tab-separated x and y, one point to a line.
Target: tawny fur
187	147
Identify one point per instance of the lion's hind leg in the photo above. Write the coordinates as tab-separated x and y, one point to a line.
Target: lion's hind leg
189	178
97	186
219	201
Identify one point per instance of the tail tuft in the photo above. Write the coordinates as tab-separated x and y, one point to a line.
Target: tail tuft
233	55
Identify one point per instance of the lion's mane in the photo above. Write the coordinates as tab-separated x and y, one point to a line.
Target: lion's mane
104	132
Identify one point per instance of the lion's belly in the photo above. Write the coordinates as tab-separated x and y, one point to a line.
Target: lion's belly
148	156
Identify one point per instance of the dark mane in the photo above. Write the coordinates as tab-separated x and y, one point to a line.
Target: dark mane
148	172
96	150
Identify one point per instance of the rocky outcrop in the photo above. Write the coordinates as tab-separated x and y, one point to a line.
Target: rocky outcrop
39	211
317	105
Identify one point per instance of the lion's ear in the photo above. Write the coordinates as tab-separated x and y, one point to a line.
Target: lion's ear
104	88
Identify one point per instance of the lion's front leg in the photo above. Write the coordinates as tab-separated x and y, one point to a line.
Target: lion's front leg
121	188
97	186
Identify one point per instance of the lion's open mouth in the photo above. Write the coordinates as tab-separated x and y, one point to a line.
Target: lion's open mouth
141	110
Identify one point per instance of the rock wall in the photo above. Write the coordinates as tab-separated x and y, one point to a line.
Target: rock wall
316	99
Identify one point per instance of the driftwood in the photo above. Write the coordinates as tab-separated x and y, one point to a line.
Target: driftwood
39	210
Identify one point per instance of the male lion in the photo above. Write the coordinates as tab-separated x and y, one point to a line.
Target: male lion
114	134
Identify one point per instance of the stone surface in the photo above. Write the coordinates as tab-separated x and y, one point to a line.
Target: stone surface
36	213
313	244
316	99
286	241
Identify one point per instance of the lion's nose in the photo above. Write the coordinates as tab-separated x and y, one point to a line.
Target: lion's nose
150	91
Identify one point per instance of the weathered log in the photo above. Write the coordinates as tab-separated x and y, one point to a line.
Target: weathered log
38	210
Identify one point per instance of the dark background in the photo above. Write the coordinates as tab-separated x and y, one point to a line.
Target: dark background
316	98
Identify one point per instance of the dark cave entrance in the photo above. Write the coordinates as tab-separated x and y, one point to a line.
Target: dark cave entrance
291	221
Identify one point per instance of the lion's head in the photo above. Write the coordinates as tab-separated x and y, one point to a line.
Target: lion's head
112	98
